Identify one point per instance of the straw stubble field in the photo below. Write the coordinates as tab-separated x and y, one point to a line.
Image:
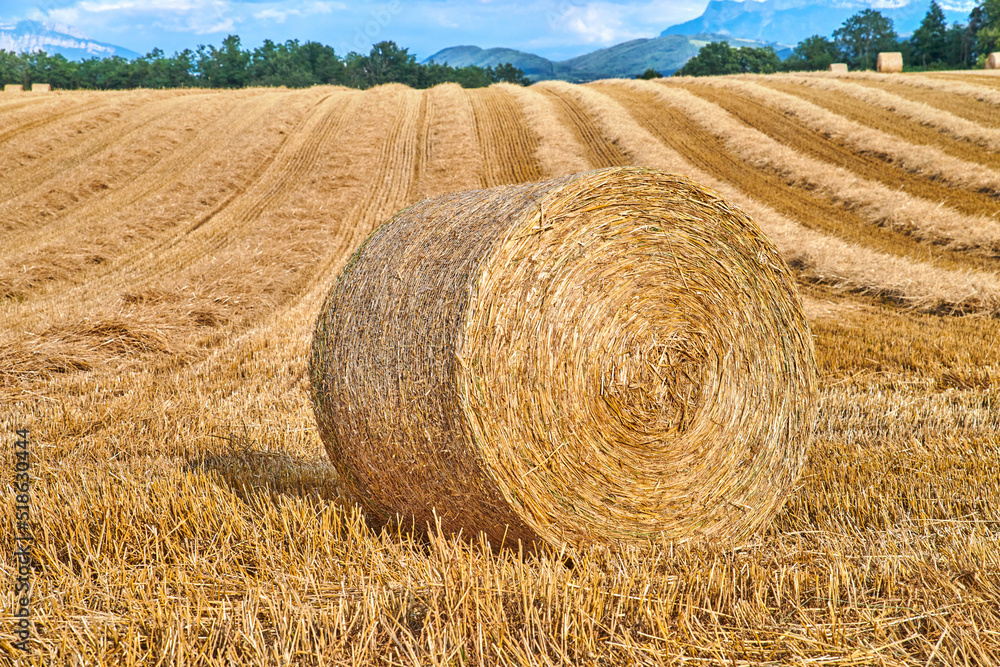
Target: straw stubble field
165	254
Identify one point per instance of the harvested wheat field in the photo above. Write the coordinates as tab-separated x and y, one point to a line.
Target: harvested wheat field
165	255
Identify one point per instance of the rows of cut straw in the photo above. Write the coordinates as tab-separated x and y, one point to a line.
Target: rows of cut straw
865	143
893	125
906	209
508	145
186	510
950	124
818	257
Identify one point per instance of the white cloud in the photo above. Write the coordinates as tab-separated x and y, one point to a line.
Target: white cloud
310	9
605	22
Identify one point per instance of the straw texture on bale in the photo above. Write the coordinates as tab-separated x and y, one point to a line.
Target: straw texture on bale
13	88
600	358
890	62
41	87
839	68
993	61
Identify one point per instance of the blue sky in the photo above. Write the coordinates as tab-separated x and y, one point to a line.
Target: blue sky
552	28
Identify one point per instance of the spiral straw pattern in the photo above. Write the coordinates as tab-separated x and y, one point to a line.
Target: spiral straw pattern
600	358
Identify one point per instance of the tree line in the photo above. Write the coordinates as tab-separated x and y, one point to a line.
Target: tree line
858	41
289	64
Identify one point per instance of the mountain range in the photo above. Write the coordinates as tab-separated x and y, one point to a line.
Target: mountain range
665	54
791	21
30	36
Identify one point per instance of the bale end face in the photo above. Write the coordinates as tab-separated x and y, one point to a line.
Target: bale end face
890	62
993	61
608	357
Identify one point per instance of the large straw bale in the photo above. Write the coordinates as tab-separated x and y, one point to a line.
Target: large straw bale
41	87
839	68
993	61
13	88
597	358
890	62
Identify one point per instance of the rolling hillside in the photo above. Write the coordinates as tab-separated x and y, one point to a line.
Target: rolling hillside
627	60
165	255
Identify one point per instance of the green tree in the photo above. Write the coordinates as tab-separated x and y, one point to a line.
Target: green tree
226	67
960	44
509	74
323	62
114	73
386	63
929	42
649	74
13	68
760	60
713	59
720	58
812	53
988	29
863	36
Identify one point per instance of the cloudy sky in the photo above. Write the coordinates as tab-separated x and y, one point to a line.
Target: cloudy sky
553	28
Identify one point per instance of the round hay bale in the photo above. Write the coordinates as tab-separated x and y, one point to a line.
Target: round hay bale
599	358
890	62
838	68
993	61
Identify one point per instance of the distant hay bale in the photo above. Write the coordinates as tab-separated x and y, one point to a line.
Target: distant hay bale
993	61
13	88
890	62
41	87
839	68
599	358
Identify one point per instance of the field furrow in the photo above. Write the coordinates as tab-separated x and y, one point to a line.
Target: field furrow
945	122
559	151
453	159
930	82
814	143
507	143
867	143
985	113
801	201
816	257
22	117
879	118
111	178
600	152
31	161
182	185
985	80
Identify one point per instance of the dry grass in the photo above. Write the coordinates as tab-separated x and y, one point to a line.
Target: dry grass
925	160
185	510
877	203
945	122
958	92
